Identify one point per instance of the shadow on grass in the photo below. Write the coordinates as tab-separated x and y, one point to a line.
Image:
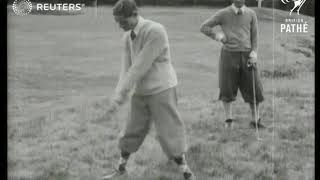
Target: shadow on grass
287	71
292	134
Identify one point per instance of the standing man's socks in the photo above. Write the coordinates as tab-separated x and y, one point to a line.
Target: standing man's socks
228	112
253	111
227	109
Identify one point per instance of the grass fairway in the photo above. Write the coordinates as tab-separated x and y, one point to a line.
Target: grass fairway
62	69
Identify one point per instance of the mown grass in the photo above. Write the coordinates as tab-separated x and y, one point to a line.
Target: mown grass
62	69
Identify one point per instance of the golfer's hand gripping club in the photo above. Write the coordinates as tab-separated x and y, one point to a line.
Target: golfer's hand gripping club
251	65
116	101
252	61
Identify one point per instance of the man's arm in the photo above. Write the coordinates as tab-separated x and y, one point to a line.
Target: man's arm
118	99
125	62
208	25
154	45
254	36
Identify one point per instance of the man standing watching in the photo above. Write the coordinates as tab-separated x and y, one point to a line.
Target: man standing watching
147	70
238	57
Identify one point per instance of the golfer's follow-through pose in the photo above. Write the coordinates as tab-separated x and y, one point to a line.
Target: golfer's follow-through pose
147	69
238	57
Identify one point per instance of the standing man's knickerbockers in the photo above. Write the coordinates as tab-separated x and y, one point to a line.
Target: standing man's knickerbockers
238	57
147	70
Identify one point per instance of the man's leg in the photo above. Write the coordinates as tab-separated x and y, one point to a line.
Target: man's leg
170	129
249	80
137	125
229	68
255	116
133	135
136	128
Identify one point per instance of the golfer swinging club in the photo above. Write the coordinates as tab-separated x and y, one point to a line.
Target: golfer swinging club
147	68
238	58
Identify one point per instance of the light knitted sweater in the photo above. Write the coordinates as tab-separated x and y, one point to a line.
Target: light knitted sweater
146	64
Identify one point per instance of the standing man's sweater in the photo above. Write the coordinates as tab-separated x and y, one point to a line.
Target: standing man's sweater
241	31
147	62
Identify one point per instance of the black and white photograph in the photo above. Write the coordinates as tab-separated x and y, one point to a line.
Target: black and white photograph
161	89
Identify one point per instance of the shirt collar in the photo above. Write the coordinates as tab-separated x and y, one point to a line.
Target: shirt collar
235	9
139	25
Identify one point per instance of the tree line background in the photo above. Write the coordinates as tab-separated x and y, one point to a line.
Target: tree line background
307	8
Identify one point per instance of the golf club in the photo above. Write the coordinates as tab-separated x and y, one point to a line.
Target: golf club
254	101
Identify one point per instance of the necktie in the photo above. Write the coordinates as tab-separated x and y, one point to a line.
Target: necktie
240	11
132	35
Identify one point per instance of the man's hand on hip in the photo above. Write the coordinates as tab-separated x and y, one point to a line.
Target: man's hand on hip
220	37
206	30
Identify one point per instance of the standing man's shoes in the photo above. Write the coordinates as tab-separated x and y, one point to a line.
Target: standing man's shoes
253	124
228	123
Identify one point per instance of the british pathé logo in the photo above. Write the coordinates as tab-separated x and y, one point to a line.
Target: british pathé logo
297	5
295	24
22	7
298	25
